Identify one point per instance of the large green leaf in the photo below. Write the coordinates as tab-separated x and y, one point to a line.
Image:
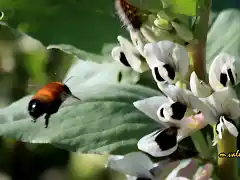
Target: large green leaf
71	50
224	35
106	121
89	73
186	7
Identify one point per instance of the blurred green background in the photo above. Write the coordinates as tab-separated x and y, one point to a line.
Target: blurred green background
89	25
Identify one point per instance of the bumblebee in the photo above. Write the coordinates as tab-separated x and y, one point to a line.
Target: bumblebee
47	100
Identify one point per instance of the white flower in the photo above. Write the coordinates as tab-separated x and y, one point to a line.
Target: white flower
138	41
164	142
134	165
224	71
150	106
129	55
160	143
168	61
174	174
226	109
204	172
198	87
186	97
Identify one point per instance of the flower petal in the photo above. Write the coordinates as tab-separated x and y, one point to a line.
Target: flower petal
128	177
153	55
164	72
118	55
220	128
172	112
157	73
134	58
186	97
224	101
150	106
224	71
159	143
159	167
138	41
181	59
159	52
199	88
189	125
135	164
112	158
230	126
166	47
204	172
174	173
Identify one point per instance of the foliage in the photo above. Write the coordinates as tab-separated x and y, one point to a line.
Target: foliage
93	85
106	121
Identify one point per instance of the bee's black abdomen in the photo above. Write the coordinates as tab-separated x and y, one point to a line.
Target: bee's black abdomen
37	108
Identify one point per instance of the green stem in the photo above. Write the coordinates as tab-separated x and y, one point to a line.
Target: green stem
198	49
201	144
227	167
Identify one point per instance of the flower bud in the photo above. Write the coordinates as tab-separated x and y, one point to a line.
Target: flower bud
163	24
183	31
166	15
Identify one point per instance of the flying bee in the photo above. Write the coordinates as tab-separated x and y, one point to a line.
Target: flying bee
48	99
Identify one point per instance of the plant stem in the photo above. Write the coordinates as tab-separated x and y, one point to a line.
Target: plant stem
201	144
198	49
227	167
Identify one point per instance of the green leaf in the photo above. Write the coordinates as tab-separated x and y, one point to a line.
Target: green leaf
71	50
88	73
224	35
186	7
105	122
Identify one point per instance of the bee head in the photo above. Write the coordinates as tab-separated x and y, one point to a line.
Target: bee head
36	108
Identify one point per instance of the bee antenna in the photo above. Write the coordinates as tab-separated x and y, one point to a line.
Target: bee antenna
68	79
75	97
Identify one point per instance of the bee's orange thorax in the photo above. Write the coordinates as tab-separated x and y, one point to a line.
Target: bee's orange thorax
49	92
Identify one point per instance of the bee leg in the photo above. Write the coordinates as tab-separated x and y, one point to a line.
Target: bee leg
47	120
34	120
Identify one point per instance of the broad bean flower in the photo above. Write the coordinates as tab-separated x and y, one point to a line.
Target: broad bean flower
187	104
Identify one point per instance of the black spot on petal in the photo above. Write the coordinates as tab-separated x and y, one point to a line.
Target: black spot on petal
223	79
178	110
124	60
170	70
161	112
230	75
143	178
167	138
217	128
158	76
